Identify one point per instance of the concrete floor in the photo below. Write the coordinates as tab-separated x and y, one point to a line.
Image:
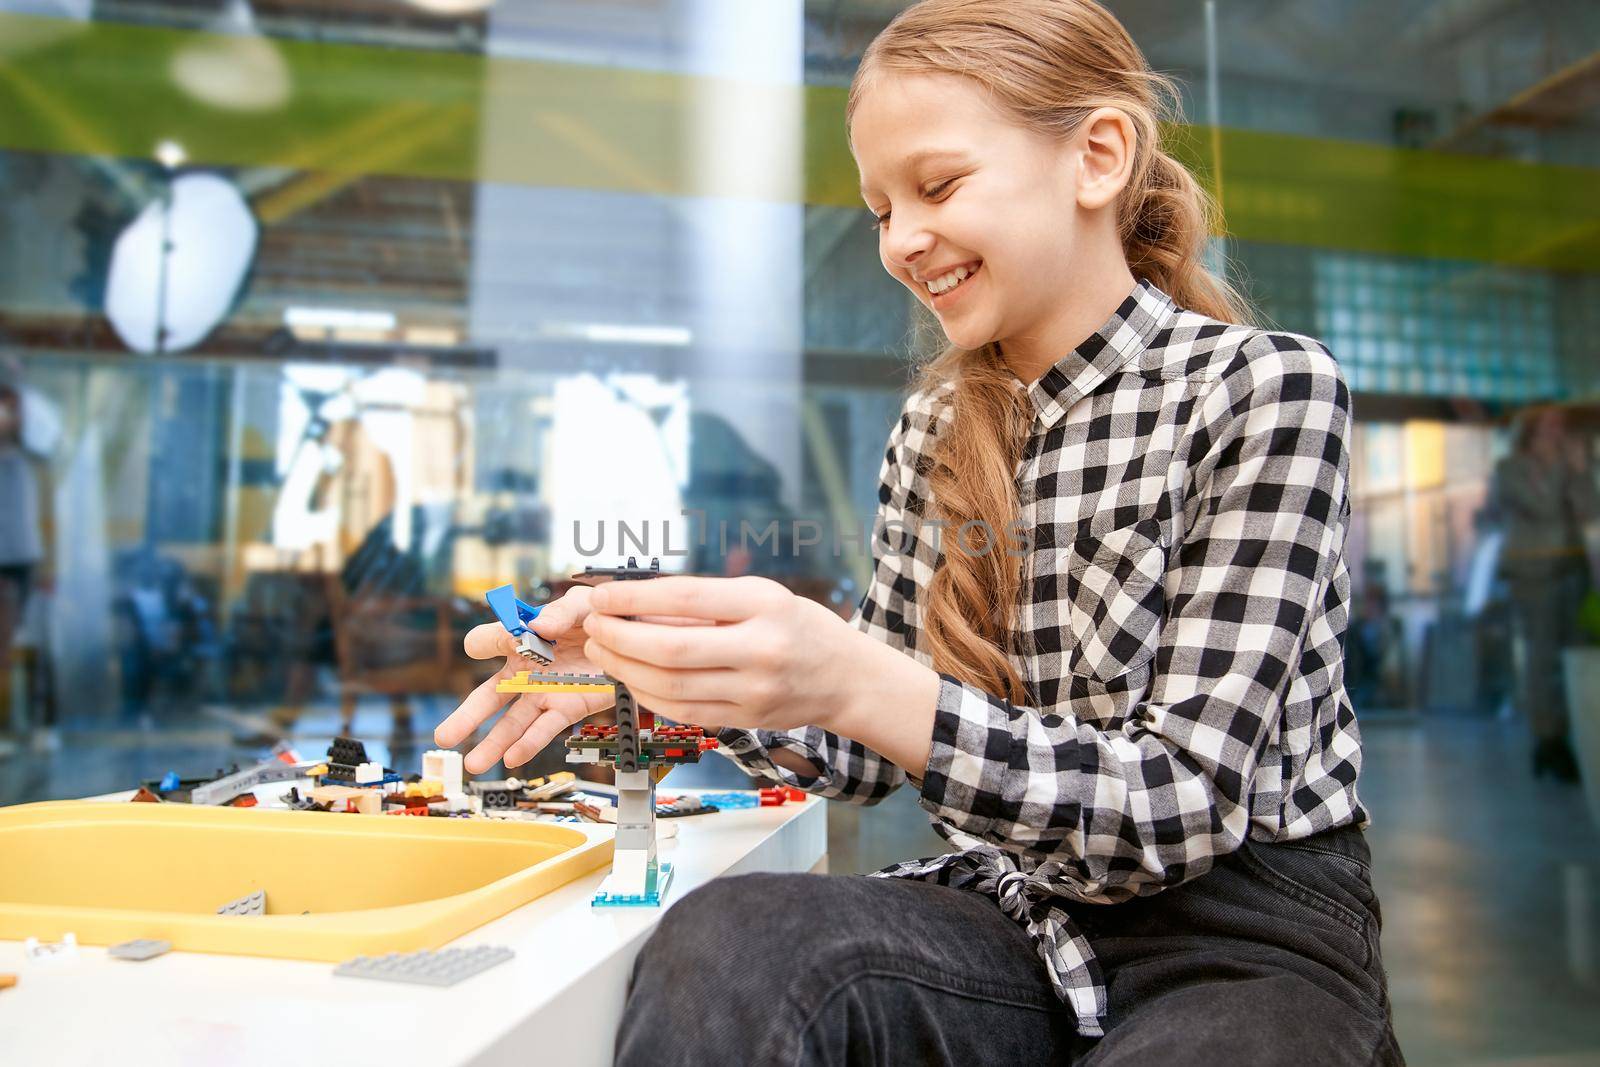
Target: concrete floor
1488	879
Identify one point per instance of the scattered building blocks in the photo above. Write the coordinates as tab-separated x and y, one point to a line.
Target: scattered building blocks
595	812
254	904
443	765
51	952
443	968
230	786
295	802
555	785
497	796
348	798
345	754
139	949
729	801
682	806
172	788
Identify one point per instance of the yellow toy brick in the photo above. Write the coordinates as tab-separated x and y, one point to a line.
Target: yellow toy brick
536	682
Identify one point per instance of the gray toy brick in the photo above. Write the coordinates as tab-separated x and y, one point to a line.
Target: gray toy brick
443	968
254	904
142	948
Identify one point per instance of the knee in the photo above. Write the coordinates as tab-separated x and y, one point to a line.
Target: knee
714	933
707	961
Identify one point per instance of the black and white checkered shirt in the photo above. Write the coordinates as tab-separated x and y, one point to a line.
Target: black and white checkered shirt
1184	485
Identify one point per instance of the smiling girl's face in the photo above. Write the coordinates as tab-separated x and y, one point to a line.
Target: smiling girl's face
991	225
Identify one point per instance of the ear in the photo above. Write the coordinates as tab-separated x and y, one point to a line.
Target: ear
1105	142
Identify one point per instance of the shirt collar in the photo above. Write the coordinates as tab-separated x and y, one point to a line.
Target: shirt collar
1127	333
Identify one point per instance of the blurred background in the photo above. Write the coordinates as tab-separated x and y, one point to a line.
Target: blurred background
318	319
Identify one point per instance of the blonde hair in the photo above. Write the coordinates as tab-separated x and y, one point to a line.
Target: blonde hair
1048	63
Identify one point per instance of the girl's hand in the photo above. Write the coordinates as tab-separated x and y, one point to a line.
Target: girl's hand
761	658
534	719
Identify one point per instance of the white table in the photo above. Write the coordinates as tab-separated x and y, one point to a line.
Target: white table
558	1001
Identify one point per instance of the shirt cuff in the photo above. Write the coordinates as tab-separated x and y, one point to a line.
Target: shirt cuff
752	750
737	741
969	758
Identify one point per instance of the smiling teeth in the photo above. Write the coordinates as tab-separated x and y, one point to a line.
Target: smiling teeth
949	281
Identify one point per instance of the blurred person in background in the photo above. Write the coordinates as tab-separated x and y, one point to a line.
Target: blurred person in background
1545	493
21	544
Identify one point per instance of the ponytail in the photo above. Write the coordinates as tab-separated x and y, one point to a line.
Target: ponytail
1165	220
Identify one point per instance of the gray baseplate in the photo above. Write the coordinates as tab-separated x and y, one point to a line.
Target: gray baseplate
254	904
426	968
142	948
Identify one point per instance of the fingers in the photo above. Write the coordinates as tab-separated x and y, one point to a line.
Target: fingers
481	703
685	685
554	619
555	721
717	599
563	614
667	645
489	641
707	713
511	726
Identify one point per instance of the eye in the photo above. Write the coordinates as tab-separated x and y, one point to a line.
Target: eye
933	192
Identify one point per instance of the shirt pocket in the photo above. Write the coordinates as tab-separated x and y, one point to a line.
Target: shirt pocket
1114	599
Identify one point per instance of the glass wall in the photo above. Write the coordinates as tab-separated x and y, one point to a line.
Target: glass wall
319	319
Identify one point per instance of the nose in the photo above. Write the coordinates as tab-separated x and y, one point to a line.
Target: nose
906	245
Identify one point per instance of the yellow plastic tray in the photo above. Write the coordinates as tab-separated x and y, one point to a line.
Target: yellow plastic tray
371	883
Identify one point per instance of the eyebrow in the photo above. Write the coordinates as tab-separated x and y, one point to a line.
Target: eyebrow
923	156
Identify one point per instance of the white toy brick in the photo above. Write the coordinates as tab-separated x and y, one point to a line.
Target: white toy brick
444	766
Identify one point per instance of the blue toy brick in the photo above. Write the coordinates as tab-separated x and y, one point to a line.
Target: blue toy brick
732	800
513	614
169	782
442	968
650	899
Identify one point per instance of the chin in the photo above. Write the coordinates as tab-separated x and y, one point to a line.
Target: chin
967	336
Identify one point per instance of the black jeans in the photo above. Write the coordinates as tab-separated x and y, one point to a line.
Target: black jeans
1271	957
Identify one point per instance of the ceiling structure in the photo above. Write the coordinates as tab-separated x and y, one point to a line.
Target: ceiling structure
1501	78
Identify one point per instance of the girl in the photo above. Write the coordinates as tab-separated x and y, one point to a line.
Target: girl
1102	639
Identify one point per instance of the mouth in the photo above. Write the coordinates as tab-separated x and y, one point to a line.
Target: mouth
962	277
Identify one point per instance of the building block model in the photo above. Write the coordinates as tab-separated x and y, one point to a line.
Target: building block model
640	752
426	968
514	615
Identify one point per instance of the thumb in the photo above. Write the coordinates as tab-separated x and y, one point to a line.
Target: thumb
564	614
